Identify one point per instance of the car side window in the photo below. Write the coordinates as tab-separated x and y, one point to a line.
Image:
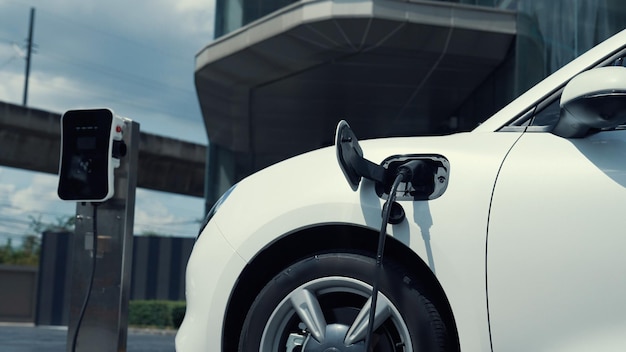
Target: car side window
548	115
544	116
548	112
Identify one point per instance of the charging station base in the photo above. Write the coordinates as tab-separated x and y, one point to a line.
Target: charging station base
104	323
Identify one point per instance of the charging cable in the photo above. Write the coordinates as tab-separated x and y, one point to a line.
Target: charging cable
404	173
94	256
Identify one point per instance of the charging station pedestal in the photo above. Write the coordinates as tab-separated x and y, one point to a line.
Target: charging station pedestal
104	324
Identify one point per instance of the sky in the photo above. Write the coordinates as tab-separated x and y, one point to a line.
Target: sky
135	57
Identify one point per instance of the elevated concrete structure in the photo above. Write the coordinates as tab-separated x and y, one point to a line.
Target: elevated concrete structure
30	139
277	86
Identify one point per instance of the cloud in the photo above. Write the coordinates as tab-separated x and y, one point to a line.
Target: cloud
5	191
152	20
59	93
35	196
152	215
131	56
24	196
11	89
39	197
197	15
135	57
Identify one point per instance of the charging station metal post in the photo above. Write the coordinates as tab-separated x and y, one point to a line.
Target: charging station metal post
104	323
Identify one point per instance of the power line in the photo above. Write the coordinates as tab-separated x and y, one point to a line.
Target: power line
146	82
124	76
162	226
70	20
39	212
120	97
14	221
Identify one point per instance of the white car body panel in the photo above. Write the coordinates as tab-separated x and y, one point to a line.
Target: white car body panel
319	194
546	283
201	330
473	244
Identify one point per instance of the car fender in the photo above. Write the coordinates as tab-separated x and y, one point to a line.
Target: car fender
448	233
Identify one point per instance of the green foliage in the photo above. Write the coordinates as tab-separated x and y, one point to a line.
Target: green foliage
156	313
178	314
6	253
27	254
62	223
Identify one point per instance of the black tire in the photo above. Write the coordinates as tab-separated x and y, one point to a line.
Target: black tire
339	284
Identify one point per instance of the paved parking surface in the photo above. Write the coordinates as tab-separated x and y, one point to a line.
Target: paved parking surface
18	338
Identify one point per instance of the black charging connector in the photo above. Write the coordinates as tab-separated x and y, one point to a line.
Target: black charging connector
418	172
404	173
409	169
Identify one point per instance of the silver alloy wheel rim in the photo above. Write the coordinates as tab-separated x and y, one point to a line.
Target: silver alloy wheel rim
303	302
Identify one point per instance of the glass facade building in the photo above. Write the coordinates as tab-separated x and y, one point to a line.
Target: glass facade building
390	67
234	14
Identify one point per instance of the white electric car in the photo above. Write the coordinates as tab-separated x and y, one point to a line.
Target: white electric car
511	237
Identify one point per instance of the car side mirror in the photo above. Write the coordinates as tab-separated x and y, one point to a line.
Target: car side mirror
593	100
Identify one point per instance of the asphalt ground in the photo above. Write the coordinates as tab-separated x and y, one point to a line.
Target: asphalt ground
28	338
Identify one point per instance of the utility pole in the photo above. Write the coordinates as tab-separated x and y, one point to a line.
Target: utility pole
29	49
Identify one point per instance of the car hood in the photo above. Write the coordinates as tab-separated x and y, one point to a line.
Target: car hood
311	189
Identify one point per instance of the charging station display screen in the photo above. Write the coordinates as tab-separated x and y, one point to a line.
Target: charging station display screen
83	174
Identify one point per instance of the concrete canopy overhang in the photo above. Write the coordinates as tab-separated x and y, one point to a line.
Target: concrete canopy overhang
278	86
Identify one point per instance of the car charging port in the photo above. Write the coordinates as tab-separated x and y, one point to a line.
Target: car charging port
422	177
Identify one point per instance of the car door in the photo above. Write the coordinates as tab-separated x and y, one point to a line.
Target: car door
556	247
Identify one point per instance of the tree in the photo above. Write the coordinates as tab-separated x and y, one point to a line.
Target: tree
6	253
28	252
63	223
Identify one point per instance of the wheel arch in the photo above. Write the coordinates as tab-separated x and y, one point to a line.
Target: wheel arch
319	239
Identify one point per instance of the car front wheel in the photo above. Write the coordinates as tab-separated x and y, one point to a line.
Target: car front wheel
321	303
